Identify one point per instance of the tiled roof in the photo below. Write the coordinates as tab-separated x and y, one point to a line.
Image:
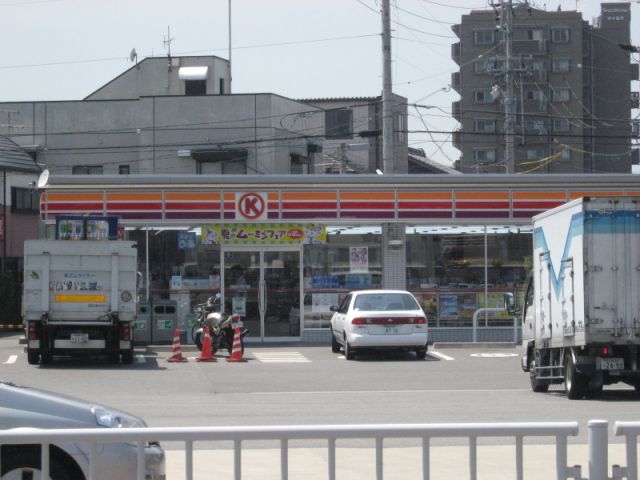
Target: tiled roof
14	158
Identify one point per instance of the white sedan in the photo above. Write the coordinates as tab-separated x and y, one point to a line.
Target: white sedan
379	319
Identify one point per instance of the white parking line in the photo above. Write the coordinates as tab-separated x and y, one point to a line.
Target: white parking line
441	356
12	359
281	357
140	358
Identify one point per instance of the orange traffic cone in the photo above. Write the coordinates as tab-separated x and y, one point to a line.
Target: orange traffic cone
175	350
236	349
206	355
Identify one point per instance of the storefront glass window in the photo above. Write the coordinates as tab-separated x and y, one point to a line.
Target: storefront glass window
181	269
455	270
351	259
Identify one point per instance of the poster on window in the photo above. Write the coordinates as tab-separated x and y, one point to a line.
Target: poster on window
239	306
359	259
448	307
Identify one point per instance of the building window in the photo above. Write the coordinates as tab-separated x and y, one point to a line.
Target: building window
563	155
124	169
484	37
338	123
485	155
485	125
195	87
86	170
535	95
299	165
25	200
535	35
560	35
482	96
561	125
485	66
535	153
561	95
560	65
221	162
401	128
535	125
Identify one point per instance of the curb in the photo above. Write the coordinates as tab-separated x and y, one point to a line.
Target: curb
475	345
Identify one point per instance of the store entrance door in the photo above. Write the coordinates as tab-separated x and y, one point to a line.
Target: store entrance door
263	286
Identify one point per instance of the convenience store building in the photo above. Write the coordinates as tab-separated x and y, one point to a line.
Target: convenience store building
283	249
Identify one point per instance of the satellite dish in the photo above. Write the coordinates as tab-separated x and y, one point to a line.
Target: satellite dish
43	179
133	56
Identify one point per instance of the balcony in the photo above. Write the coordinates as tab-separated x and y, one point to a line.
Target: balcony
455	81
456	111
456	29
455	52
456	139
635	71
635	99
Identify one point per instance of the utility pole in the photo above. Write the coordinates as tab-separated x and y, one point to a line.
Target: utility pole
506	19
388	150
229	46
508	73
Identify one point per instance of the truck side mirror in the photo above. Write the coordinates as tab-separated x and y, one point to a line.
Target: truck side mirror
510	302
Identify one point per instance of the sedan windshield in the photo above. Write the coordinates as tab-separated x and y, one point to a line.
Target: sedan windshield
385	301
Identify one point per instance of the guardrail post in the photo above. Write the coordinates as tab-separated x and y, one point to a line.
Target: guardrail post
598	450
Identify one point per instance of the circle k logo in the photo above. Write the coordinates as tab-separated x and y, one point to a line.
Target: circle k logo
252	206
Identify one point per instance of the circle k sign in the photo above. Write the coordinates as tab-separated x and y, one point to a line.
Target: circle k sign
251	205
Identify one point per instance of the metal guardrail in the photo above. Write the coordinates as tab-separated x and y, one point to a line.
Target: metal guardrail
631	431
560	431
486	312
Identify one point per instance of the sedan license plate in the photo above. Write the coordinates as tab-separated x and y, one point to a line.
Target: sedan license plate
391	330
610	364
79	337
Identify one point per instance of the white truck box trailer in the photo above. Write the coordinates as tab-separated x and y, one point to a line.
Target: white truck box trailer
79	297
581	319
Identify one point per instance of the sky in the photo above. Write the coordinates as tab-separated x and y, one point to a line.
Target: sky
66	49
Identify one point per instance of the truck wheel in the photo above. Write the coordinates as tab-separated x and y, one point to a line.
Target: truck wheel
127	358
335	346
575	384
46	358
537	386
33	357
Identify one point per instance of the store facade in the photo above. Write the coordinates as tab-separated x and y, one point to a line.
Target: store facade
283	249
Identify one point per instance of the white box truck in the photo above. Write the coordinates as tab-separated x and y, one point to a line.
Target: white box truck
581	318
79	297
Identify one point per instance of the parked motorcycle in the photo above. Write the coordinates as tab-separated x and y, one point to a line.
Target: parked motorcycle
221	325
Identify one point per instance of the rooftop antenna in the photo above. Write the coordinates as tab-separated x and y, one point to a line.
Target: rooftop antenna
167	41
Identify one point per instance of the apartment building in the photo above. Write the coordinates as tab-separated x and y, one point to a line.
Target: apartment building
570	90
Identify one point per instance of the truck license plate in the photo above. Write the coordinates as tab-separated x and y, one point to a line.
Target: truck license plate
610	364
79	337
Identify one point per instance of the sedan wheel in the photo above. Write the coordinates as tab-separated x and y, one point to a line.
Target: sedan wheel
349	352
335	346
27	465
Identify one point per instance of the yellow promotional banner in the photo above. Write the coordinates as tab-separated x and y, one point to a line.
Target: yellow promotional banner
263	234
79	298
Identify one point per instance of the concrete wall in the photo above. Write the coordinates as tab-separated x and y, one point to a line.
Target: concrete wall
159	76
